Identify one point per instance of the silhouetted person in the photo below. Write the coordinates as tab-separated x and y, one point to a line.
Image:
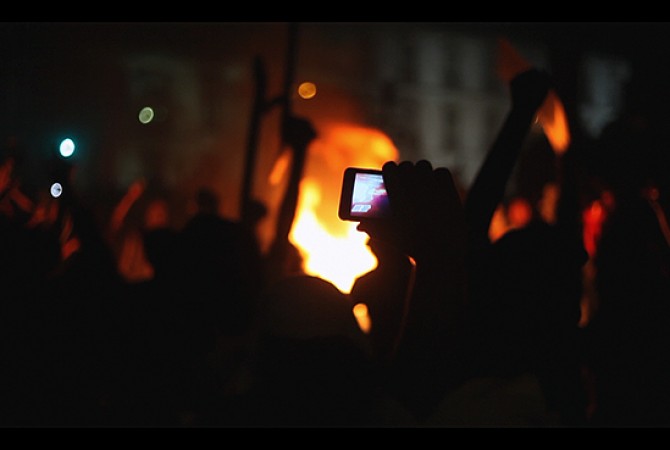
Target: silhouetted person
525	288
385	291
312	365
428	225
283	258
29	254
220	282
158	350
629	331
213	248
82	332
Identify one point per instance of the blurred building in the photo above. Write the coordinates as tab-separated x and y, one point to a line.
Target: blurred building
431	87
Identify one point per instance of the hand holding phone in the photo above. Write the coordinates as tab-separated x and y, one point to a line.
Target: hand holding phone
428	221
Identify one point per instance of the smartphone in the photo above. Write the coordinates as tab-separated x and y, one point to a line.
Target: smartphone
363	195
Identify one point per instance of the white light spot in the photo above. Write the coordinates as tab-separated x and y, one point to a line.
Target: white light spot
66	147
56	190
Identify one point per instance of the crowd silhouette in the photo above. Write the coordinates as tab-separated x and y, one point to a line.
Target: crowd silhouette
469	327
628	335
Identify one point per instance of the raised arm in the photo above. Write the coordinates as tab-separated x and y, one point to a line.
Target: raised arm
528	91
428	225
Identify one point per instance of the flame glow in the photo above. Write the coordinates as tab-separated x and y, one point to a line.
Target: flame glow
340	259
331	248
555	123
280	167
592	218
362	316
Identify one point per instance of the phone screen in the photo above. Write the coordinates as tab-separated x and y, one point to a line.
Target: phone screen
363	195
369	197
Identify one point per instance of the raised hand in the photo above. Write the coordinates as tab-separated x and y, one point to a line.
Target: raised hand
427	220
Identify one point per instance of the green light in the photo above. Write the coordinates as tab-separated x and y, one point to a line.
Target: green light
146	115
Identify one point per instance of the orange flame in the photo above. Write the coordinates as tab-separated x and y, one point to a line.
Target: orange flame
338	258
555	123
362	317
333	249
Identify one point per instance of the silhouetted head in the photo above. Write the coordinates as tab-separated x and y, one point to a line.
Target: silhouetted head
529	297
628	155
314	363
307	307
535	275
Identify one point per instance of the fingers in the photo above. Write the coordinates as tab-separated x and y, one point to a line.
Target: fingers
426	206
412	186
423	166
392	173
444	179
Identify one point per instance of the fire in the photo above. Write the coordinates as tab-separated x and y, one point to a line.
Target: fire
332	249
339	259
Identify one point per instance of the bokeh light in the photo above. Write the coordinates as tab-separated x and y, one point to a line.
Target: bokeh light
146	115
307	90
56	190
66	148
